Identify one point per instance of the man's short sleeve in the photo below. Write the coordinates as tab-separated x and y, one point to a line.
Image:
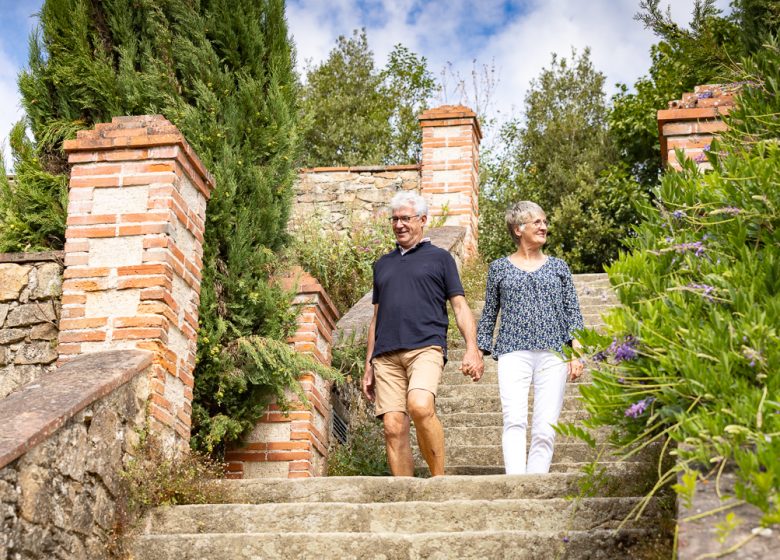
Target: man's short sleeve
452	284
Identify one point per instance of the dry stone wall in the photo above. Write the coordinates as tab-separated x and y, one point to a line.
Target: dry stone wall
30	291
341	196
61	492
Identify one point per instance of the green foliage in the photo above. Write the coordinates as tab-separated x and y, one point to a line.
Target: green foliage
691	355
341	262
223	72
364	453
561	157
355	114
154	477
32	207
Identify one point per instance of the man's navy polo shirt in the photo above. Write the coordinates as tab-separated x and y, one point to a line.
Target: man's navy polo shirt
412	292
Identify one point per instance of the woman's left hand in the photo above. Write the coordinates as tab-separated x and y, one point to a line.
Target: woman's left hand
576	368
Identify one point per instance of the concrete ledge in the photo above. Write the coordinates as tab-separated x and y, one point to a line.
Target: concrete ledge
56	256
34	412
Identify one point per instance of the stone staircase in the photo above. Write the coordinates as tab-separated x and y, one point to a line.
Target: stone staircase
451	517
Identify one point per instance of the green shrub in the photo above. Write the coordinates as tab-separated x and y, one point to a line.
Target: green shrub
364	453
692	354
342	262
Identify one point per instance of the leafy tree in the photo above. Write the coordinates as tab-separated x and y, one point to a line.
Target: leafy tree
692	354
223	72
356	114
561	156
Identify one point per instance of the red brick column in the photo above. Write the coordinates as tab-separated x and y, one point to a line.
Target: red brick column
295	444
450	167
690	124
133	255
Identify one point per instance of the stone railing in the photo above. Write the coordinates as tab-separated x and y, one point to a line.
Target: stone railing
30	290
63	442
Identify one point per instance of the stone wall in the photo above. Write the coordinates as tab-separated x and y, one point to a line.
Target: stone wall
30	289
63	443
341	196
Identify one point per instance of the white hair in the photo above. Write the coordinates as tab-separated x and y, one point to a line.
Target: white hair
520	212
409	198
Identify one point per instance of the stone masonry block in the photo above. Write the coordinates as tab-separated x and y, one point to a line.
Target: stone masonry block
115	252
120	200
3	312
13	278
30	314
9	336
43	352
263	432
48	281
118	303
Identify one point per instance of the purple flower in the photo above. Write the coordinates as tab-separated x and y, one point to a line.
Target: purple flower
668	239
707	147
600	356
621	380
636	409
697	247
733	210
700	158
704	95
566	539
678	214
706	290
625	350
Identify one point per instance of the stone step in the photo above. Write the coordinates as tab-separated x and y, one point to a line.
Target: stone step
453	376
490	403
448	516
380	489
482	389
598	544
475	419
566	452
614	468
491	435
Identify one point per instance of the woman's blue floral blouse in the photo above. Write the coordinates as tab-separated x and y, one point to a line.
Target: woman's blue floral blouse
539	309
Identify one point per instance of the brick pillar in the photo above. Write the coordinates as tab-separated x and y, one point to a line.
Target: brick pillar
133	255
450	167
295	444
691	123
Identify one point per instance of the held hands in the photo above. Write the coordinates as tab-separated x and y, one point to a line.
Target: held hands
368	384
472	364
576	368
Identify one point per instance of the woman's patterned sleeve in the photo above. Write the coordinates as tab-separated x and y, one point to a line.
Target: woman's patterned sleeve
490	312
571	304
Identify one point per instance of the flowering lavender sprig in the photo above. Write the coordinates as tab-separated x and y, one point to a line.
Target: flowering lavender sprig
636	409
706	290
697	247
624	350
731	210
678	214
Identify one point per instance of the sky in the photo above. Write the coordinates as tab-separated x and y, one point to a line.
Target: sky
514	38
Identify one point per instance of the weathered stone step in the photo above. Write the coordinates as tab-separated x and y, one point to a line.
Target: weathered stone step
489	403
482	389
453	376
491	435
567	452
599	544
401	517
468	419
614	468
379	489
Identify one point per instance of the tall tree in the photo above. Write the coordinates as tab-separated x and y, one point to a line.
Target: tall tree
223	72
561	156
356	114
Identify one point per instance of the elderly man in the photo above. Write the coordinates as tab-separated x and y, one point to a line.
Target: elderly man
407	339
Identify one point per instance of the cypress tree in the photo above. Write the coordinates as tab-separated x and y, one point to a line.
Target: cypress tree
223	72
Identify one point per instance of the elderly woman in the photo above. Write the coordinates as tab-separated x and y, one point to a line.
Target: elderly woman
539	315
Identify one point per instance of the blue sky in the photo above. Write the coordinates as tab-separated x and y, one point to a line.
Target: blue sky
514	37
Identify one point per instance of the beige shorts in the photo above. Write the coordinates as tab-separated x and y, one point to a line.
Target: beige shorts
397	373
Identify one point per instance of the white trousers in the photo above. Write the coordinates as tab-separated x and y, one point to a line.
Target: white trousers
516	372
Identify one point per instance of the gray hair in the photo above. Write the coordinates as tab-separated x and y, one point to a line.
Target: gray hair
409	198
518	214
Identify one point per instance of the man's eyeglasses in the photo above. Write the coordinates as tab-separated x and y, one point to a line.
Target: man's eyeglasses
538	223
403	219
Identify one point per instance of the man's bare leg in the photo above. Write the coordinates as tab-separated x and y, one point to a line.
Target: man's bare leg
430	434
399	448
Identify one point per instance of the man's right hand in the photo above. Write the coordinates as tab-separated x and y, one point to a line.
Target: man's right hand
368	383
